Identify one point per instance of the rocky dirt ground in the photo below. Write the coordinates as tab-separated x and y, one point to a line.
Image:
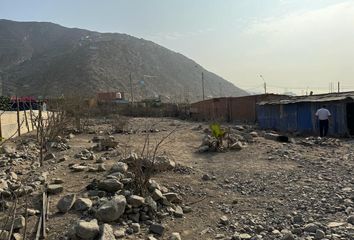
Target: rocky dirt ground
302	189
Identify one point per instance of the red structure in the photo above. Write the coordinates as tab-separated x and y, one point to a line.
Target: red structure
23	99
109	96
231	109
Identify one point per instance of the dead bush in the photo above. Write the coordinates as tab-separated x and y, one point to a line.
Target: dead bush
119	123
147	163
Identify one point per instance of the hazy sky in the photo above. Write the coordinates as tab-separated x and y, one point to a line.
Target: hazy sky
293	44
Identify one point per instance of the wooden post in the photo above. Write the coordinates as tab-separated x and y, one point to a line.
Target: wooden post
40	134
18	117
31	114
26	120
44	214
0	129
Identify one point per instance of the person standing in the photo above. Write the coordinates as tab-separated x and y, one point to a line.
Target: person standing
323	115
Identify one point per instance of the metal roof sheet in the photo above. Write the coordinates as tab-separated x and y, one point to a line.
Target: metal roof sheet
314	98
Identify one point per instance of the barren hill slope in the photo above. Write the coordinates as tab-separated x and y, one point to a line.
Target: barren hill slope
50	60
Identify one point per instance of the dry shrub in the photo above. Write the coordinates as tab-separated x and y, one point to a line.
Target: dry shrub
60	115
119	123
144	164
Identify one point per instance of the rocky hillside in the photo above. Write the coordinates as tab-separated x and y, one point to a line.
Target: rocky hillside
50	60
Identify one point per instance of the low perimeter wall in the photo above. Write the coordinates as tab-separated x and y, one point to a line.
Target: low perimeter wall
9	124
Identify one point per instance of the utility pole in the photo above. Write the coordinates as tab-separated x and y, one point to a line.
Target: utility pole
265	88
264	84
220	89
203	85
338	87
131	88
1	85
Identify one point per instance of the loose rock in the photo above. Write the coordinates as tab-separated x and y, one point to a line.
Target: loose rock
106	232
87	230
54	188
82	204
112	210
136	201
65	203
110	185
157	229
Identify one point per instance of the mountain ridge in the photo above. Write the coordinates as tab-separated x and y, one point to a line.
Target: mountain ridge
47	59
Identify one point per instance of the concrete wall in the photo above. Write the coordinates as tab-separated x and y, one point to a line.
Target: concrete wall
9	125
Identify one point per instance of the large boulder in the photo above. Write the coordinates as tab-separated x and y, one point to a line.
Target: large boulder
82	204
163	163
119	167
107	232
112	210
87	230
136	201
157	228
110	185
66	203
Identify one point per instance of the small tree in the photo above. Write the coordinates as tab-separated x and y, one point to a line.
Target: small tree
218	133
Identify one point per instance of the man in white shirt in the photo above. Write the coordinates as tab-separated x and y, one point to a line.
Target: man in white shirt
323	116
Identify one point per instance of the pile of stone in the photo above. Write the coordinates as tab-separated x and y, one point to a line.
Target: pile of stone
104	143
111	207
59	143
11	185
11	154
236	141
86	155
160	163
231	141
330	142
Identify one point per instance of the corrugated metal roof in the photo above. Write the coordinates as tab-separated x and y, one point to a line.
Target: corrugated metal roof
314	98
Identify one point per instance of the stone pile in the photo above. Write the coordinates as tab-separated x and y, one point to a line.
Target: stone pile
13	155
86	155
329	142
158	164
60	143
231	141
111	207
104	143
236	138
